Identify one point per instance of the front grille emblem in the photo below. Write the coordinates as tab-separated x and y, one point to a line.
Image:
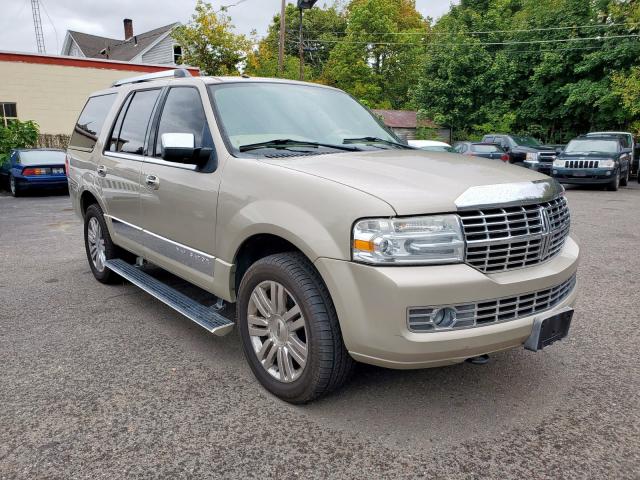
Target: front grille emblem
546	232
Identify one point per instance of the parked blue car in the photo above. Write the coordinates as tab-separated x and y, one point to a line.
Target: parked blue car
34	169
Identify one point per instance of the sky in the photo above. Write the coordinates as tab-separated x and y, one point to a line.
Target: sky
104	18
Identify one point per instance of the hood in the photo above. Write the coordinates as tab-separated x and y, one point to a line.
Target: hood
589	155
413	182
541	148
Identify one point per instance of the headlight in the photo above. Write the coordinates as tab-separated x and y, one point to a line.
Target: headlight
609	163
426	240
532	157
558	163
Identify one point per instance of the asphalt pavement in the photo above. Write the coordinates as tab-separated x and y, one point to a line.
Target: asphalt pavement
105	382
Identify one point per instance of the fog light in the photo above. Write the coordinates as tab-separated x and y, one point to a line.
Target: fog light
444	317
608	174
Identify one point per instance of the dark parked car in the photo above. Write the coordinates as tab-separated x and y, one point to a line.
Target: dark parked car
595	160
479	149
34	169
628	141
525	151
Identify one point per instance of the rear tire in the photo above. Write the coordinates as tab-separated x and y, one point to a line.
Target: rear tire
615	183
307	344
98	245
14	188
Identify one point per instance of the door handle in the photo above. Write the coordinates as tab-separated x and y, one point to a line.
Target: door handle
101	170
152	182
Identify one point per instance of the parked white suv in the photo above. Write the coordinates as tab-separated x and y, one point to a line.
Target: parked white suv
335	241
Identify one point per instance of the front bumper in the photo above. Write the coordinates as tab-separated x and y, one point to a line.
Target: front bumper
372	304
584	176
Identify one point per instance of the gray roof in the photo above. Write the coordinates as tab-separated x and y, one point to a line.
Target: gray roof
92	45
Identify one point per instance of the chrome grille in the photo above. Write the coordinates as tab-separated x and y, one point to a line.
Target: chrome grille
549	156
502	239
468	315
581	164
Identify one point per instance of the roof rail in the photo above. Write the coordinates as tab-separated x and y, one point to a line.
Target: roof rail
177	73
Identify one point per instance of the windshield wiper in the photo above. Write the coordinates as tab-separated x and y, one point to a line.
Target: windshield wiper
287	142
375	140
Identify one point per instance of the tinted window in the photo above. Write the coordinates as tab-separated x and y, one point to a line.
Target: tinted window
490	139
183	113
136	120
484	148
85	134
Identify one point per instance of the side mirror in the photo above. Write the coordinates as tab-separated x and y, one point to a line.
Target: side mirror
180	148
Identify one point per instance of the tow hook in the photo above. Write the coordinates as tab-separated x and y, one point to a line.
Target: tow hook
479	360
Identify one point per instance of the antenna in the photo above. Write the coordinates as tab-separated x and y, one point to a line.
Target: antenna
37	25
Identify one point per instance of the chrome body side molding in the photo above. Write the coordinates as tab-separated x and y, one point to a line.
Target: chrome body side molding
187	256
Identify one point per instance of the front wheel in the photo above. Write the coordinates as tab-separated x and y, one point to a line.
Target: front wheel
289	329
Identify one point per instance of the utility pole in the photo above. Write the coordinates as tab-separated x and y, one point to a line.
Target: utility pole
301	50
283	31
37	25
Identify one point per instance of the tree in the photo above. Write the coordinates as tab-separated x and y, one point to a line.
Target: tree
322	28
208	42
17	134
377	60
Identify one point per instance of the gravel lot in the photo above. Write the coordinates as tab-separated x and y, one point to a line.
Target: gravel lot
105	382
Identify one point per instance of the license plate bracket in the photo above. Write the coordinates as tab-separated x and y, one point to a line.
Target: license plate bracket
548	330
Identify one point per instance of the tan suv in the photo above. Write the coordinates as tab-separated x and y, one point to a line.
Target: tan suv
335	241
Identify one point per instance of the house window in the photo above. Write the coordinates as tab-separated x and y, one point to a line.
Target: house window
177	54
8	111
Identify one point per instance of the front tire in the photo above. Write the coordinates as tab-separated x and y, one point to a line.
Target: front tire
625	181
615	183
98	245
289	329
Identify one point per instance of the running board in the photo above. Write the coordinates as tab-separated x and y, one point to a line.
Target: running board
206	317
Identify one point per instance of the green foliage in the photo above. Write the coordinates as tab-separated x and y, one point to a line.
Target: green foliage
552	90
17	134
208	42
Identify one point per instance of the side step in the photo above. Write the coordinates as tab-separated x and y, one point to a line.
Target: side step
206	317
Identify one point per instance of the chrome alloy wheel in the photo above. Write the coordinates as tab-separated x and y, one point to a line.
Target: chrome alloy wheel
96	244
278	331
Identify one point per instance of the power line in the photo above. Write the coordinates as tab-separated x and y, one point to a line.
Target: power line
541	29
479	44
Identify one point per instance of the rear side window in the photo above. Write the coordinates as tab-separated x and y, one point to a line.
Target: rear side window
484	148
87	129
133	127
183	113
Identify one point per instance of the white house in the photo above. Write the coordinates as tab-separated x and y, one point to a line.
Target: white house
155	46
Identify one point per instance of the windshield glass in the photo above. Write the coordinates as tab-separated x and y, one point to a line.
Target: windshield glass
437	148
41	157
526	141
485	148
252	113
586	146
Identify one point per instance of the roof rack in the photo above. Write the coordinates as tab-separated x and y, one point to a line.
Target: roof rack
177	73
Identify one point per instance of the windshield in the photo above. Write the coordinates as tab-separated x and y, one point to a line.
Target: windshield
485	148
526	141
586	146
41	157
253	113
438	148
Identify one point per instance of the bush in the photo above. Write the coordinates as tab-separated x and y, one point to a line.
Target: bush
17	134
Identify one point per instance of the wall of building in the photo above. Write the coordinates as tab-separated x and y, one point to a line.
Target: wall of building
52	90
162	52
